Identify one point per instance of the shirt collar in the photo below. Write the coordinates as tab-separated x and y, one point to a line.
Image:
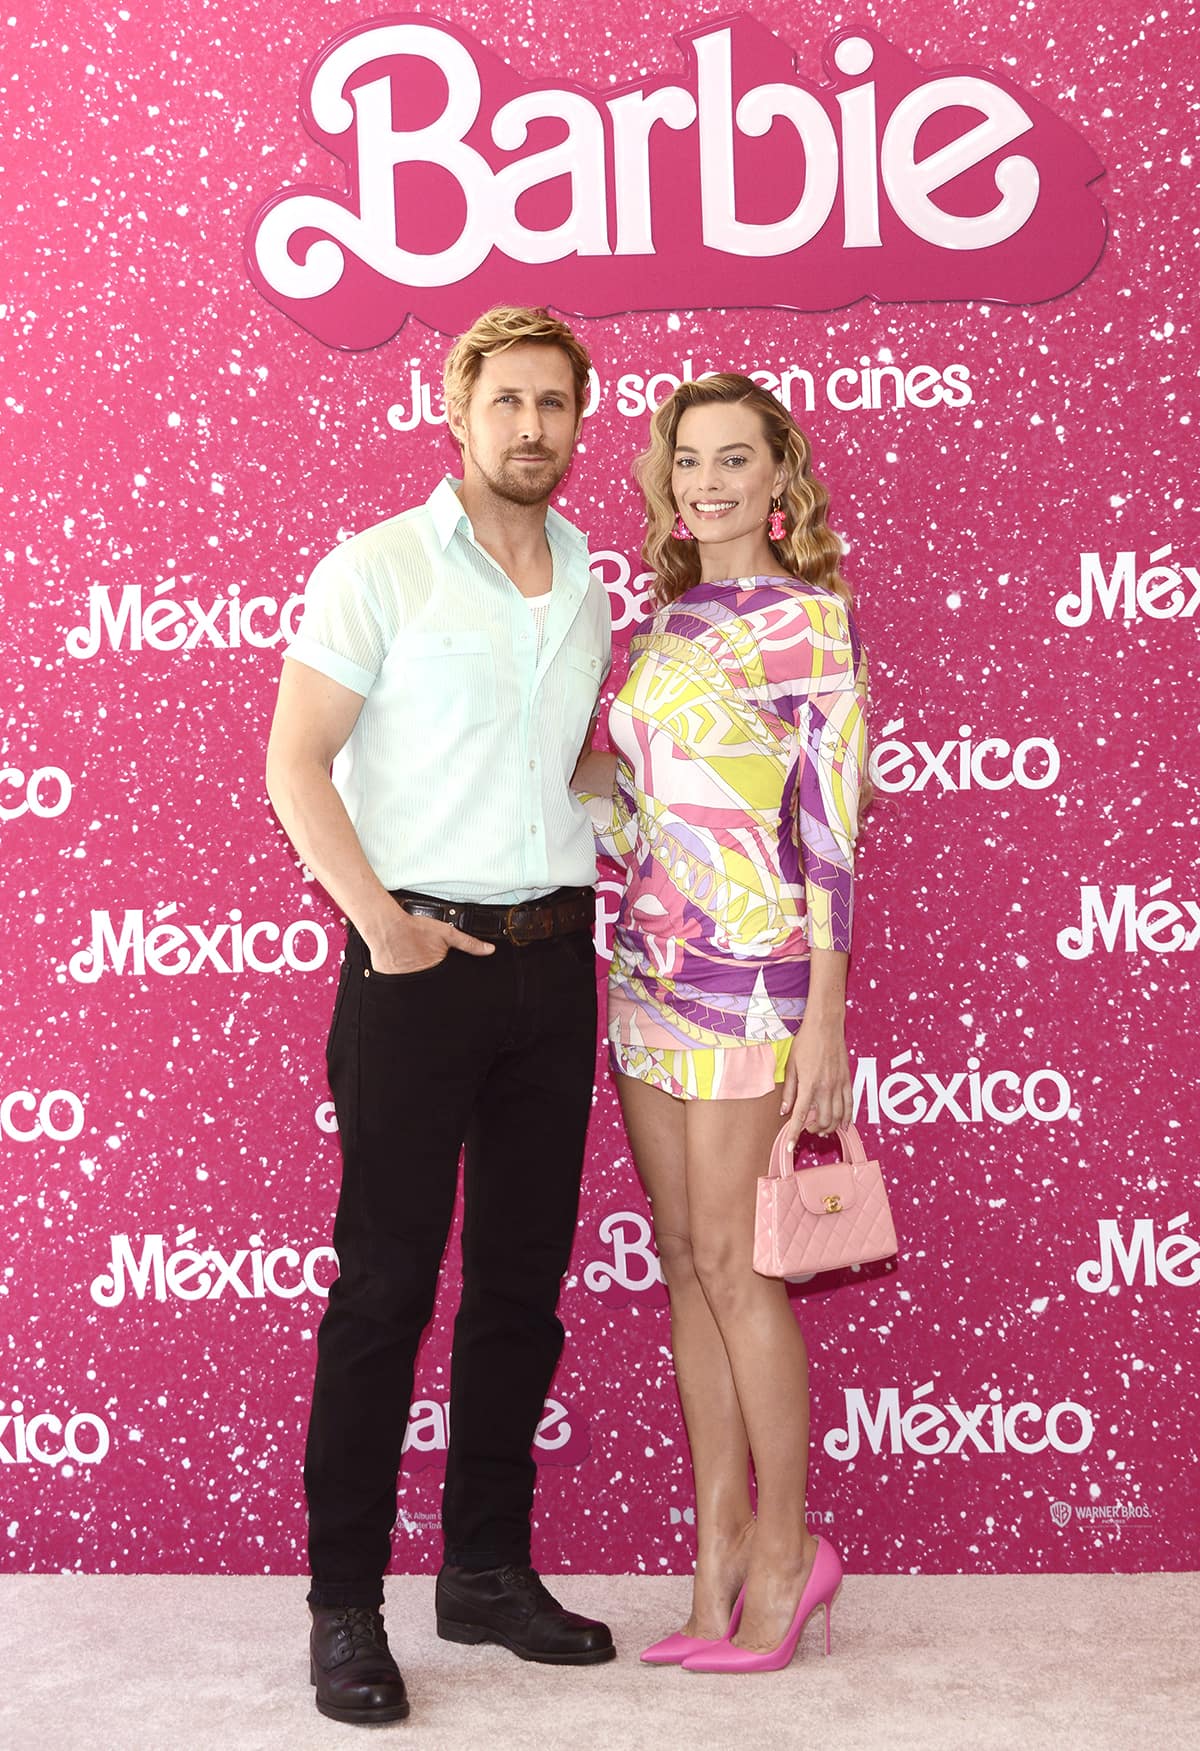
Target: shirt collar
446	510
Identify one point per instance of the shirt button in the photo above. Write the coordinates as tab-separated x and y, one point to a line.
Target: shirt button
533	765
446	642
533	830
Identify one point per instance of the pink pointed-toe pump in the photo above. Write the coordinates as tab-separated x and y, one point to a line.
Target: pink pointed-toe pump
674	1649
821	1589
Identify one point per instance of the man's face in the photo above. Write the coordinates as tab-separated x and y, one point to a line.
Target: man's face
519	428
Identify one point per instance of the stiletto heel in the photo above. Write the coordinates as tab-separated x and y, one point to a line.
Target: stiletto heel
674	1649
821	1589
829	1604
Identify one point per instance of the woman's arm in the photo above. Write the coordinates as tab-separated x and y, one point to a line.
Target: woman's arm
595	773
611	801
817	1089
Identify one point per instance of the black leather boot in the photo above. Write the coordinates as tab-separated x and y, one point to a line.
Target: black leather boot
352	1667
510	1606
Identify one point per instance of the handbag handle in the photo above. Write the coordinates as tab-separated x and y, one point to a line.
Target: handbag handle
782	1159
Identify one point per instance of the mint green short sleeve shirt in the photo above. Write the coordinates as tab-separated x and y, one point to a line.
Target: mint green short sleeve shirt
456	775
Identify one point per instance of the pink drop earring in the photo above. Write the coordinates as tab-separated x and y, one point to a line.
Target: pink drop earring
776	522
681	532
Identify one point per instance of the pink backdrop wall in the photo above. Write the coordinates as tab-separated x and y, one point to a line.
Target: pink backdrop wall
1017	493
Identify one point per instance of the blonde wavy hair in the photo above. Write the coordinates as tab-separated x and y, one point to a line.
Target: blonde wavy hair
809	548
504	326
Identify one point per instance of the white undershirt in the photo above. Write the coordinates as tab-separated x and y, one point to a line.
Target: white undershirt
539	607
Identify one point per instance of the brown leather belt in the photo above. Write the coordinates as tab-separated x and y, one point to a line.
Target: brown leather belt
528	921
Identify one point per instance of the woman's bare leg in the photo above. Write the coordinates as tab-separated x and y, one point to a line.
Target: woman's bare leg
728	1144
716	1436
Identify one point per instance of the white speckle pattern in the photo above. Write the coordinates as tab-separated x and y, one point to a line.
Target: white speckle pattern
1017	1394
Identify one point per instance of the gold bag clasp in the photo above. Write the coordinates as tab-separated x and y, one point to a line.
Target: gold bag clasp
833	1204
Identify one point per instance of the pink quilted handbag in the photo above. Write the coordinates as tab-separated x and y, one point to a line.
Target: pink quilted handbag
821	1218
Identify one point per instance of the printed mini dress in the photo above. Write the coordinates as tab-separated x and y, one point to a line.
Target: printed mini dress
740	733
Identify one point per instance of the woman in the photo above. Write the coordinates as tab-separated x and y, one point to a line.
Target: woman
733	803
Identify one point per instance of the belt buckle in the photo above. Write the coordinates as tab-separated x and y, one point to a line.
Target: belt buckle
520	935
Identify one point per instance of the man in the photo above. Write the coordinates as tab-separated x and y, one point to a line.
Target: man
448	667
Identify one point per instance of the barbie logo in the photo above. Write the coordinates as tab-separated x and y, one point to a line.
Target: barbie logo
734	183
633	1272
608	906
562	1436
628	591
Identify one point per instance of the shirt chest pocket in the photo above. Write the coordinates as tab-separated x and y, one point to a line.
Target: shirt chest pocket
449	678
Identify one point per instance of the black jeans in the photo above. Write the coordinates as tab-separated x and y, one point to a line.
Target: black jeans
496	1053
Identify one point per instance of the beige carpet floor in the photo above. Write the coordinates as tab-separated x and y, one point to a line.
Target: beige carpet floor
187	1663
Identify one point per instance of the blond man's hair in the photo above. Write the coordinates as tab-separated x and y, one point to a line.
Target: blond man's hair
505	326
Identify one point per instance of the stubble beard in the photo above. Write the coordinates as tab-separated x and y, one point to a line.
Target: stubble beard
516	485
